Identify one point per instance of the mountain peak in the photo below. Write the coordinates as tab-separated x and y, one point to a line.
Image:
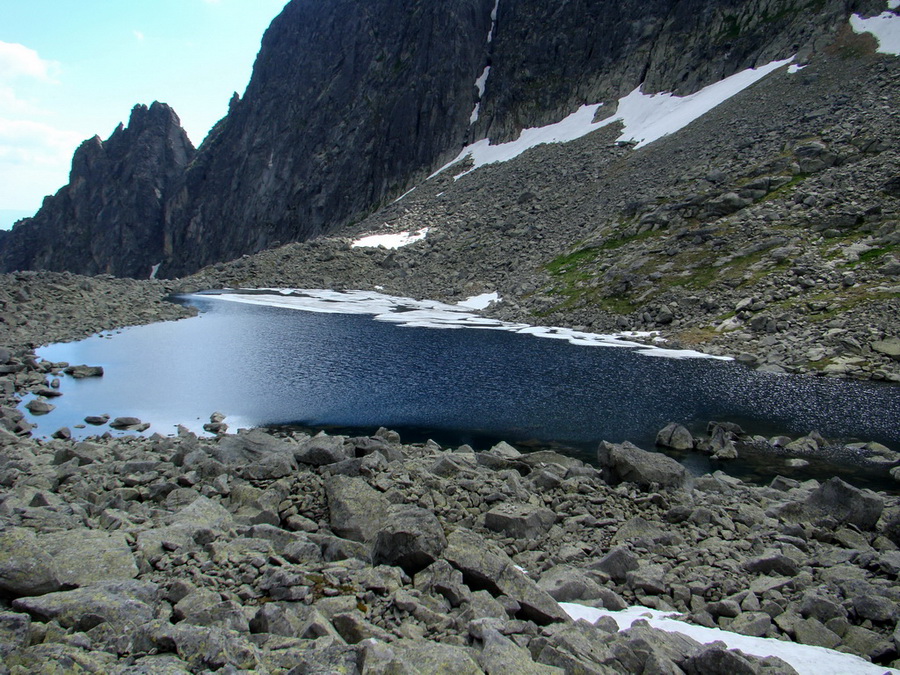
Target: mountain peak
111	213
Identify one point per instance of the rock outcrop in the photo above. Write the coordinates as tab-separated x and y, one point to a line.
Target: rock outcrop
351	103
549	58
109	218
347	101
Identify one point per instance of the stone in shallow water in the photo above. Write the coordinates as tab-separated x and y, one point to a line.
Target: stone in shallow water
97	420
125	422
675	436
39	406
83	371
626	462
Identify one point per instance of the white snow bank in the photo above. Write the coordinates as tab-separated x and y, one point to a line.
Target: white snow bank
885	27
433	314
404	194
481	81
649	118
480	85
646	118
395	240
479	301
574	126
805	659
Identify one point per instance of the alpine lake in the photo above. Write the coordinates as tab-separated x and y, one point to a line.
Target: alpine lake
341	370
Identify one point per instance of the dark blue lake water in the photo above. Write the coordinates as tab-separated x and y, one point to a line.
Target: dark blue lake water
263	365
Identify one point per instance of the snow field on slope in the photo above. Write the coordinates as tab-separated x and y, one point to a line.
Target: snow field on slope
885	27
392	241
646	118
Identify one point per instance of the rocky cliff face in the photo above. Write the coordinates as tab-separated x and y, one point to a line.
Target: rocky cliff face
351	103
109	218
347	101
548	58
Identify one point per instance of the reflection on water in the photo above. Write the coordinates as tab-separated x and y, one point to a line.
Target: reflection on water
270	366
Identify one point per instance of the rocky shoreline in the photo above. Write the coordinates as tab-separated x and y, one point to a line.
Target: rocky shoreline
280	552
273	551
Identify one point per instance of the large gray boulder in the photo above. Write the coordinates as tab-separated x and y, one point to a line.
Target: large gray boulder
502	655
356	510
520	521
569	584
411	538
417	657
117	603
25	566
207	648
617	563
87	556
322	450
675	436
485	566
250	447
203	515
845	503
15	632
626	462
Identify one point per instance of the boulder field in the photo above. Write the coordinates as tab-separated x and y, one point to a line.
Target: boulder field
278	551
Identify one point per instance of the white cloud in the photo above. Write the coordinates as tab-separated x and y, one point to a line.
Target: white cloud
34	143
12	105
20	61
139	35
34	161
34	156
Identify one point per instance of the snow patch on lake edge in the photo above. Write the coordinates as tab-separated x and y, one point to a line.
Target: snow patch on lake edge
433	314
646	118
806	659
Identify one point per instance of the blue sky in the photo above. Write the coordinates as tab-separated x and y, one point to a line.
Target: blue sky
70	70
